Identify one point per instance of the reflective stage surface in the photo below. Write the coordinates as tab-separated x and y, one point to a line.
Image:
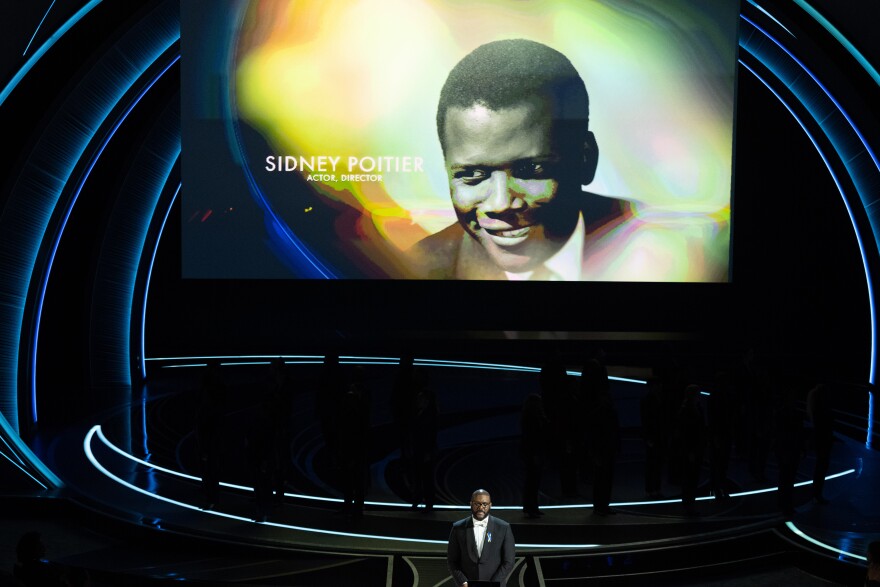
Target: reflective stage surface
140	465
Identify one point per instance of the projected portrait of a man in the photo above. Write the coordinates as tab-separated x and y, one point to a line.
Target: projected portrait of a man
513	123
468	156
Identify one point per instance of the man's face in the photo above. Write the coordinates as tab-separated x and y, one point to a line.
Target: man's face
481	503
505	173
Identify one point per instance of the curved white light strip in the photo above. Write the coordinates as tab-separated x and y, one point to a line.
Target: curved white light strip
88	450
821	544
358	360
96	430
773	18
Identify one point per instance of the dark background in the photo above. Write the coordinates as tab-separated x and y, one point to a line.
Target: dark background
798	291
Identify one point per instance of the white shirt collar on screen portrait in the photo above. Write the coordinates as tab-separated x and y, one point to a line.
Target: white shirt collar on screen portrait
482	522
566	264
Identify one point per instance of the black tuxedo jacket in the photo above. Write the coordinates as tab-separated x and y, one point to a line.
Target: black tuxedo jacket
493	564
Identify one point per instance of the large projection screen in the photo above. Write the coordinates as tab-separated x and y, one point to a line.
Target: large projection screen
581	141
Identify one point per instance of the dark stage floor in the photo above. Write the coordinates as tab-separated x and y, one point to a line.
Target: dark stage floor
134	473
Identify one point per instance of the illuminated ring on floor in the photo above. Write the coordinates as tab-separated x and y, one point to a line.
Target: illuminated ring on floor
96	430
233	360
798	532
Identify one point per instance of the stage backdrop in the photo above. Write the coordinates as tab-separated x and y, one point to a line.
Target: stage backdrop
310	143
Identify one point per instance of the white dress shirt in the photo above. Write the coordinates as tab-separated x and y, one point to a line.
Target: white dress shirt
565	265
480	533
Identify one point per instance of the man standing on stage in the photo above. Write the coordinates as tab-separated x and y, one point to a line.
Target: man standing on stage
481	547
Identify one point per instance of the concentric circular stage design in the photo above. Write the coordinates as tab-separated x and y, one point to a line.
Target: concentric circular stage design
94	115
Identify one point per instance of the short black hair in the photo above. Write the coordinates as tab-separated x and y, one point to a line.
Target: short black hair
502	74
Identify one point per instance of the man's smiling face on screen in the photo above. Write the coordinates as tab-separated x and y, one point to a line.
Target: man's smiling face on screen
506	178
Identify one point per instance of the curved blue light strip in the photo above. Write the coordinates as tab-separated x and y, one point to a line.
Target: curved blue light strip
869	442
771	17
44	281
36	30
866	65
36	227
23	470
29	64
19	449
143	364
820	119
11	450
864	262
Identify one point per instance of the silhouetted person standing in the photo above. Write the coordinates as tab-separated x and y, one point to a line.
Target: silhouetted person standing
691	430
603	432
789	443
330	391
260	449
281	406
422	441
354	426
402	409
654	433
758	414
560	403
532	447
402	394
722	411
208	432
820	409
673	381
